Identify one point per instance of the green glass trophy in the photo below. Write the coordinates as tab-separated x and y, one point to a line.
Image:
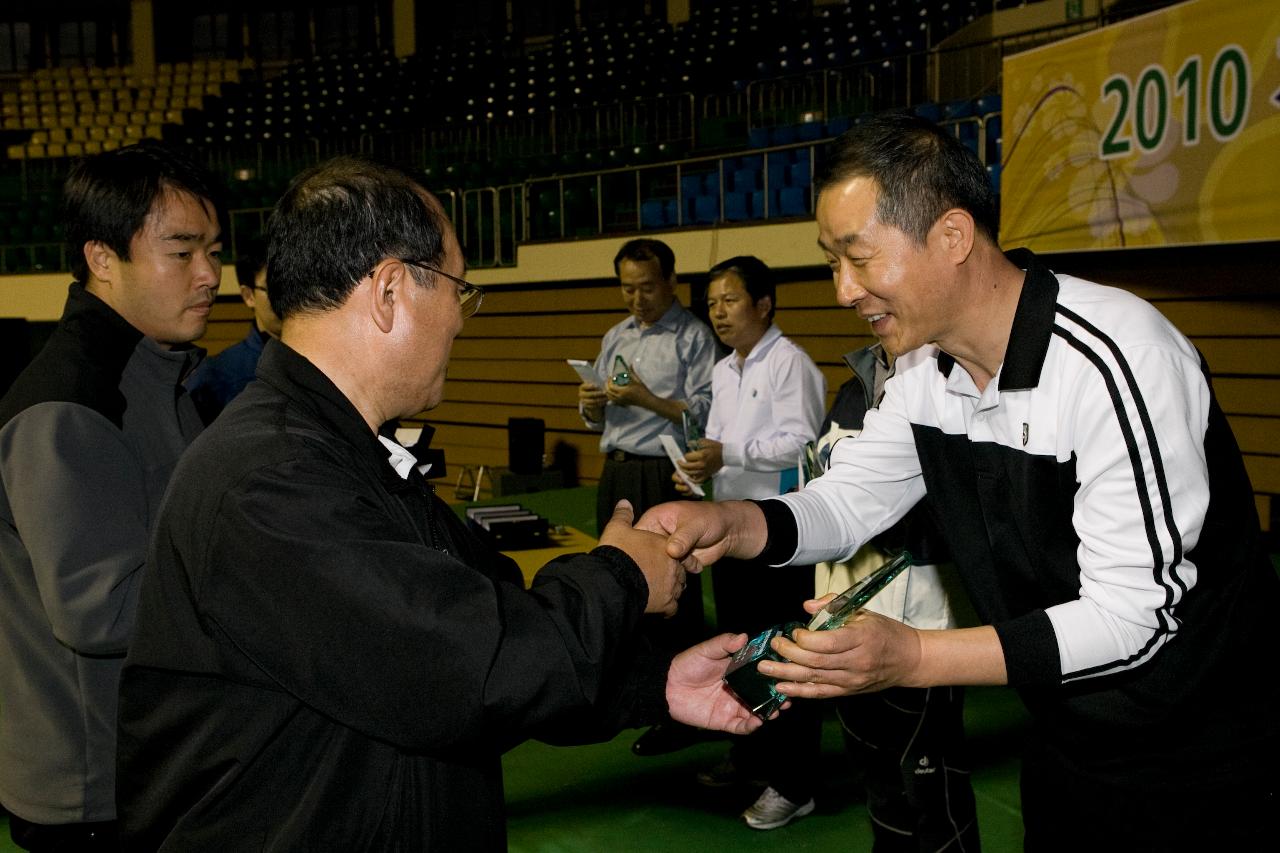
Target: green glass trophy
692	435
621	373
759	692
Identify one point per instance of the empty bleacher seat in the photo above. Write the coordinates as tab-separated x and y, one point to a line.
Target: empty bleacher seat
810	131
735	206
793	201
798	174
705	209
652	213
764	203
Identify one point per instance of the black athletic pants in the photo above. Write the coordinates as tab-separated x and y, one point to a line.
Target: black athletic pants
750	597
910	744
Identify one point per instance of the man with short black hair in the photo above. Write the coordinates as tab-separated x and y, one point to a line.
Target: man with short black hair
325	657
89	434
669	354
1066	440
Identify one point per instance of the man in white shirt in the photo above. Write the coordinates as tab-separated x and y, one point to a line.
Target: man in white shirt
767	400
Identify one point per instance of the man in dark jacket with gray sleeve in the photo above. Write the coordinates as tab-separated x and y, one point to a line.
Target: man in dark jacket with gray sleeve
89	435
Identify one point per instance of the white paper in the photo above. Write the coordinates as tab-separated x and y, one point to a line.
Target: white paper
674	454
586	372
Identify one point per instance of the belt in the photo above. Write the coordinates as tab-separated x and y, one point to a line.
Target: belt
624	456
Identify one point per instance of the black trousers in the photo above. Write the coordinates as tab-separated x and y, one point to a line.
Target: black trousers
910	744
64	838
750	597
646	482
1067	809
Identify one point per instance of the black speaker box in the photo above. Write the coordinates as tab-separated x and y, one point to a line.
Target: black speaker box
526	439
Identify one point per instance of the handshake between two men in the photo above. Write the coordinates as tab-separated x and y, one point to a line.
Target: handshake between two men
673	539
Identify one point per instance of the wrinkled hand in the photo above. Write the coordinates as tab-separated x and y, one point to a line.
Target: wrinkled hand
703	463
634	393
592	399
870	652
696	693
708	530
664	574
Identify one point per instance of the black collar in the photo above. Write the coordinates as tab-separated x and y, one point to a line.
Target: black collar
301	381
1032	326
82	362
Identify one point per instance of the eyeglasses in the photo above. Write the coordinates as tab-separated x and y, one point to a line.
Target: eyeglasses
469	295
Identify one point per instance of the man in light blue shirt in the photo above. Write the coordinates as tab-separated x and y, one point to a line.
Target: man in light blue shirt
667	356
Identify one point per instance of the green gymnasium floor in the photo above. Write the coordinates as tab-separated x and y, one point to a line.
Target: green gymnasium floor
593	798
601	797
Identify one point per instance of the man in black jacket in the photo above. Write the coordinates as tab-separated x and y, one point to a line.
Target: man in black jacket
89	434
325	657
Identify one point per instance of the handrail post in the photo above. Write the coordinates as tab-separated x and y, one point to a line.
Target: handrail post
679	196
560	184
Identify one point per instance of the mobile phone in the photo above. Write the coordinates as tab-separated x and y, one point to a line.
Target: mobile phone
586	372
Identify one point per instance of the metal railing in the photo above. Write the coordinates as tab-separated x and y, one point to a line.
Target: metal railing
492	221
628	187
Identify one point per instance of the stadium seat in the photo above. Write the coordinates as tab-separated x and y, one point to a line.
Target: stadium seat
746	180
986	105
735	206
838	125
652	213
793	201
690	186
810	131
779	162
706	209
929	112
798	174
760	200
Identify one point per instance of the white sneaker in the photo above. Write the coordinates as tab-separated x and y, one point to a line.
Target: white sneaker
773	810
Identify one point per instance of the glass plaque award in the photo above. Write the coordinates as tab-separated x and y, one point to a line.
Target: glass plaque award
759	692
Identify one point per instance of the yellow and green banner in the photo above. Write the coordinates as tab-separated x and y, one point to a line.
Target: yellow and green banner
1162	130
